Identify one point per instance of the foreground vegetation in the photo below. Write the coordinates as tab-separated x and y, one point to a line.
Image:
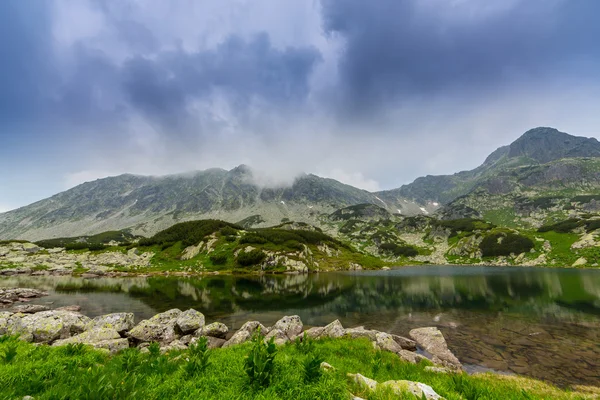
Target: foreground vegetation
250	371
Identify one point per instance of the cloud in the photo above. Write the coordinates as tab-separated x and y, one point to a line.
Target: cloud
374	94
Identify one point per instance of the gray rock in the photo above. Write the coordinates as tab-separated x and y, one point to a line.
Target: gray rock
190	321
159	328
245	333
361	332
410	356
112	345
29	308
120	322
216	329
291	326
432	341
47	326
385	341
363	381
90	337
438	370
174	345
333	330
5	317
405	343
212	342
314	332
418	389
69	308
279	337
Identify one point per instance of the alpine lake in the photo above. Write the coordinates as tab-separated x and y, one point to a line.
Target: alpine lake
542	323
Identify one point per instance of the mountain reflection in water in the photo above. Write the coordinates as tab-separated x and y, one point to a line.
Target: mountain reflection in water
531	321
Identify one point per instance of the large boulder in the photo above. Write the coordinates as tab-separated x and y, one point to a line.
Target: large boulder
90	337
433	342
216	329
291	326
120	322
190	320
333	330
5	317
314	332
361	332
279	337
385	341
405	343
159	328
245	333
47	326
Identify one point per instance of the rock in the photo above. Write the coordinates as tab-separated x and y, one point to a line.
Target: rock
5	317
438	370
314	332
245	333
113	345
121	322
216	329
29	308
47	326
385	268
28	398
291	326
13	295
580	262
385	341
411	357
212	342
159	328
416	388
69	308
174	345
327	367
186	339
190	320
90	337
363	381
279	337
361	332
333	330
405	343
432	341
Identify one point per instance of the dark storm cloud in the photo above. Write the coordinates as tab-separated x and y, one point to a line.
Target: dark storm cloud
25	60
241	68
398	49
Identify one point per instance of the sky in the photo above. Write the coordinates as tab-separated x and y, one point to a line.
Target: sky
371	93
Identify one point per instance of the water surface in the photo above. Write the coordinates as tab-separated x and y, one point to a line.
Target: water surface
543	323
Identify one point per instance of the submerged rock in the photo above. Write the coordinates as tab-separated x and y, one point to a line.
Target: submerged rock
433	342
29	308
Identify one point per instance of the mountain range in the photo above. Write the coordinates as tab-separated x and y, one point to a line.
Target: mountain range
543	163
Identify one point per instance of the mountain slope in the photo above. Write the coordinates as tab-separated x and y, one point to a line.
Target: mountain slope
146	205
536	146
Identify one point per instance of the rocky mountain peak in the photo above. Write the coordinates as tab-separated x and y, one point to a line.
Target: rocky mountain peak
545	144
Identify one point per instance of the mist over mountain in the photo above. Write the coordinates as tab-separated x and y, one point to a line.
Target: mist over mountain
541	159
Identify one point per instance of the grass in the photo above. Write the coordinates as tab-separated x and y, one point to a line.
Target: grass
78	372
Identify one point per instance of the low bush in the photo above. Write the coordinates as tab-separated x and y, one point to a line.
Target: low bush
188	233
399	251
464	225
260	362
253	257
218	259
252	238
505	244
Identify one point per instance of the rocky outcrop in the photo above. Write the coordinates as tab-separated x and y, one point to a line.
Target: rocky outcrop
28	257
433	342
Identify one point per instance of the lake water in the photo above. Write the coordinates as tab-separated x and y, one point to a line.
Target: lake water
543	323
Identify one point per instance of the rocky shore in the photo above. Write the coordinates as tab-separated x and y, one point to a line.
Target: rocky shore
28	258
176	329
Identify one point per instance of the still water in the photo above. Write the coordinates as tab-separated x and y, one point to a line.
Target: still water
543	323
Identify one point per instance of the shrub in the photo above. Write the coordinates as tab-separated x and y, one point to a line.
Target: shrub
464	225
218	259
565	226
259	363
9	353
305	345
312	368
399	251
253	257
504	244
252	238
228	231
198	359
189	233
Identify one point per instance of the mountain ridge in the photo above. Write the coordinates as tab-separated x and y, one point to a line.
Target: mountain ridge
147	204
